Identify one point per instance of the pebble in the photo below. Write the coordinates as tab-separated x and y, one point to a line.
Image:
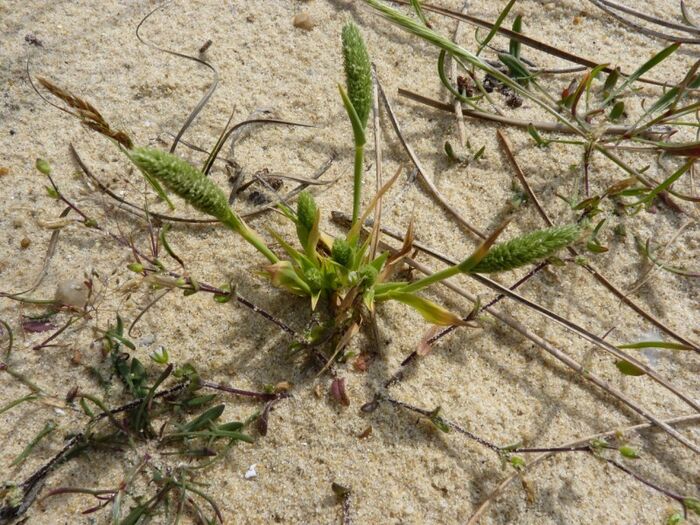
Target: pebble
71	292
304	21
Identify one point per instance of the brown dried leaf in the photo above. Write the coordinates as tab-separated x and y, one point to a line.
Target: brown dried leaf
338	391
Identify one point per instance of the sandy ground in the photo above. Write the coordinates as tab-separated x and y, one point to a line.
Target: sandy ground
490	380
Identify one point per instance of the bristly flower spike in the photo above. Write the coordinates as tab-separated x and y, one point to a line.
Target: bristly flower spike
197	189
357	100
358	71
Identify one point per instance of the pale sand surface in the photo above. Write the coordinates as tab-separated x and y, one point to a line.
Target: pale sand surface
490	380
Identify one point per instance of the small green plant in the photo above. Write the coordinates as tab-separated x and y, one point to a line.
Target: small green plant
341	272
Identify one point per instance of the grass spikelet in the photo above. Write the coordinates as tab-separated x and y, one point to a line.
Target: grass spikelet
186	181
87	113
358	73
306	210
527	249
197	189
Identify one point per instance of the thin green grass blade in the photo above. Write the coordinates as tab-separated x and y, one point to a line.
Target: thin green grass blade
655	344
496	26
419	12
644	68
514	48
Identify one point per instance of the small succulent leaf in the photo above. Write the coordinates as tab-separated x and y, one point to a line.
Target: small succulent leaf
204	419
439	423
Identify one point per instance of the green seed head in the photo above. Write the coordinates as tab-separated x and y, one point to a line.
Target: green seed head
341	252
358	74
314	278
186	181
306	211
527	249
368	275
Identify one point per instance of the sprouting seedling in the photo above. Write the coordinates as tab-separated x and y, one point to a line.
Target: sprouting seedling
357	100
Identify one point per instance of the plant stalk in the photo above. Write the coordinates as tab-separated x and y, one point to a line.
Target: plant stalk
357	181
252	238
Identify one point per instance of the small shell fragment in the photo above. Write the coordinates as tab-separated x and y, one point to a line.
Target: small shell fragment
251	473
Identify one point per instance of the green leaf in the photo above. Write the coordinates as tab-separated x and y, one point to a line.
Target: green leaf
451	154
628	452
135	267
496	26
517	462
692	504
282	274
51	192
617	111
43	166
516	67
203	419
611	80
358	129
226	297
648	199
135	515
644	68
628	368
655	344
595	247
198	401
539	141
419	12
514	48
439	423
675	519
48	428
446	81
430	311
